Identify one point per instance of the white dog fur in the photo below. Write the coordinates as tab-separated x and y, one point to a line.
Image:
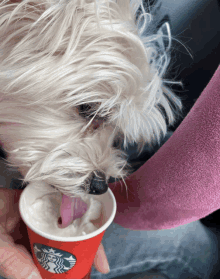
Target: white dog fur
59	58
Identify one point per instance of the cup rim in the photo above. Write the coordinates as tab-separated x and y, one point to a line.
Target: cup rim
72	238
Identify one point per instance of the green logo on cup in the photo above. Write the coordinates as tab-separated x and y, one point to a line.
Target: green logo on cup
54	260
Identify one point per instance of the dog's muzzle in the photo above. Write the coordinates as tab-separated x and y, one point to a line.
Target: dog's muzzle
98	184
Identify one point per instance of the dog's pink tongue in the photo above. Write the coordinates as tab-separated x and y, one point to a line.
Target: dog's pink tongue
71	209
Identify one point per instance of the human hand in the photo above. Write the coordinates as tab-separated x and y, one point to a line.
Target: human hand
15	252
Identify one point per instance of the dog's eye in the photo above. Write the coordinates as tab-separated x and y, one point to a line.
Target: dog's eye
87	110
117	143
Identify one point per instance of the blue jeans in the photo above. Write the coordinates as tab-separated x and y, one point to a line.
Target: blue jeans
188	251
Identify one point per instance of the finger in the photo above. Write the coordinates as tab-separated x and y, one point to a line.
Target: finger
101	261
15	261
9	211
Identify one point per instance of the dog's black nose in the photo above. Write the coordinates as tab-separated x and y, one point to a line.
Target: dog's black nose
98	184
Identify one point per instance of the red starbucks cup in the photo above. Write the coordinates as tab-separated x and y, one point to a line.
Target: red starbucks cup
64	257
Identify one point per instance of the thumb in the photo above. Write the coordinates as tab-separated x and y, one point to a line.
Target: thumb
15	261
101	261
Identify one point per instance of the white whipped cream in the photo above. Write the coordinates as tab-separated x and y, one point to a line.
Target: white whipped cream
44	212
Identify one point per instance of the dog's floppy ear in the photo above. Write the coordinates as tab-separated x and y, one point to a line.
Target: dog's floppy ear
145	116
139	119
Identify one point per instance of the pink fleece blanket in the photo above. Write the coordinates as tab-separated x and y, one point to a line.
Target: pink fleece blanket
181	182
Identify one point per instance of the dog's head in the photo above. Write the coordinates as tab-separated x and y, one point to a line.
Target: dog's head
78	82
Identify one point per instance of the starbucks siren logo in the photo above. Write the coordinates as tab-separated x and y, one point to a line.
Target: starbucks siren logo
54	260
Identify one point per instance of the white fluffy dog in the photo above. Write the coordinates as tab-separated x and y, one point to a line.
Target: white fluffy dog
78	81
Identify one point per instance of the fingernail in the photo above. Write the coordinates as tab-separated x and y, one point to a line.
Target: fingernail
107	268
106	265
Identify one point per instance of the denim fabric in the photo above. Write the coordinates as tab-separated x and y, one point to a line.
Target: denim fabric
188	251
